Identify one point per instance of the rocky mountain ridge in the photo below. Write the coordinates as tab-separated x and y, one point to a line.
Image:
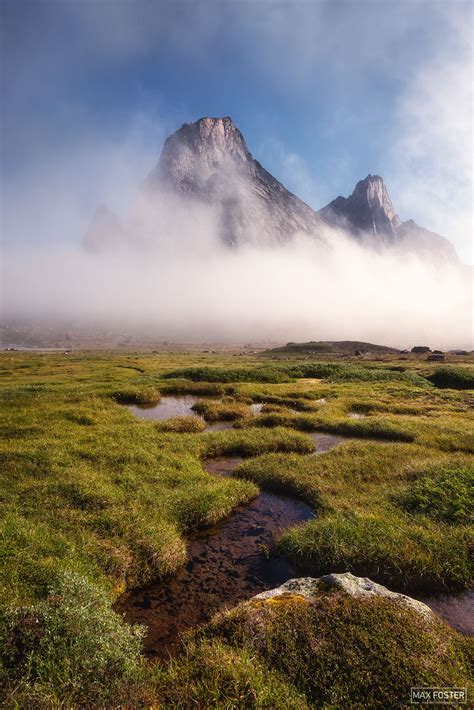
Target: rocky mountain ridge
208	163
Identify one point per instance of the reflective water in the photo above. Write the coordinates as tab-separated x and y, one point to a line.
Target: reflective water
166	408
326	442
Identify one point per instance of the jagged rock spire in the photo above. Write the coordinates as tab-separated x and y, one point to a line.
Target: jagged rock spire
369	210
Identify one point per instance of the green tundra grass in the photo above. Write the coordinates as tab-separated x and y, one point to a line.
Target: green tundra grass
95	501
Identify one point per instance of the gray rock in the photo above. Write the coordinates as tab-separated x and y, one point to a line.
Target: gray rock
421	349
209	161
309	587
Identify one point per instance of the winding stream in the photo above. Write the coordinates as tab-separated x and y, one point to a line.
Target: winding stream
227	563
235	559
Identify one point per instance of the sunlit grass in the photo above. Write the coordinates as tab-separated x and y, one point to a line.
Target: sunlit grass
90	490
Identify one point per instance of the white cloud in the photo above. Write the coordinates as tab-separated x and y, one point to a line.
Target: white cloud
431	163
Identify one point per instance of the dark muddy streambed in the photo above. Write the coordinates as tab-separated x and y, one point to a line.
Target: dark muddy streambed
226	564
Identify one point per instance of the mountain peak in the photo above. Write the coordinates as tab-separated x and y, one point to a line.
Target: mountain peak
369	215
218	130
368	210
209	161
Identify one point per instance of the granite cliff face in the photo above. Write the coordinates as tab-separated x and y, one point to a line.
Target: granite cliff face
368	215
210	162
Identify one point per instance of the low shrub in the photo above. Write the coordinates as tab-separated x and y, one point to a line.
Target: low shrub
70	648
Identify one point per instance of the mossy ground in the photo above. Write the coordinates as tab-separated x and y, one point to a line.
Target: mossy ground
88	489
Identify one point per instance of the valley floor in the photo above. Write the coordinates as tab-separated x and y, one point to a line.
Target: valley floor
97	501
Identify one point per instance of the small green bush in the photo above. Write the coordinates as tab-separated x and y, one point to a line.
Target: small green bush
71	648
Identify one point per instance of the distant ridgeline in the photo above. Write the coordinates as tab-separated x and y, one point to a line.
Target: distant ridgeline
208	163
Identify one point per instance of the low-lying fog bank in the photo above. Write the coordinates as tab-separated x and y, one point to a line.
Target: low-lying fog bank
300	291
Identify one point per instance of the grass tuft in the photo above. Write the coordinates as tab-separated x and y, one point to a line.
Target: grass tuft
181	425
443	491
146	396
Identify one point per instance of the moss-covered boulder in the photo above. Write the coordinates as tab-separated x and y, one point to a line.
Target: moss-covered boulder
336	642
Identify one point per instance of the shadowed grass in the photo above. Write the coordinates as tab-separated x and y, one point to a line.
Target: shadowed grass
461	378
137	395
367	428
400	553
358	527
228	409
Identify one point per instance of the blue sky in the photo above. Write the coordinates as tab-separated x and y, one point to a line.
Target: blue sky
324	93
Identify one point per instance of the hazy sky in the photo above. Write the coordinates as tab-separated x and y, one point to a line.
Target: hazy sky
324	92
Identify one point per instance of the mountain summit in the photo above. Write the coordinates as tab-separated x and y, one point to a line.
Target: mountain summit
368	214
209	161
367	211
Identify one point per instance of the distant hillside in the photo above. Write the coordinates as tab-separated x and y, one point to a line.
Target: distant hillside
340	348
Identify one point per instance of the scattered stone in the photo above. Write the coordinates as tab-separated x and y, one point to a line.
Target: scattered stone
421	349
436	357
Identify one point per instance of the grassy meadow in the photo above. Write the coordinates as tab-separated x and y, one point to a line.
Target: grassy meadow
96	501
